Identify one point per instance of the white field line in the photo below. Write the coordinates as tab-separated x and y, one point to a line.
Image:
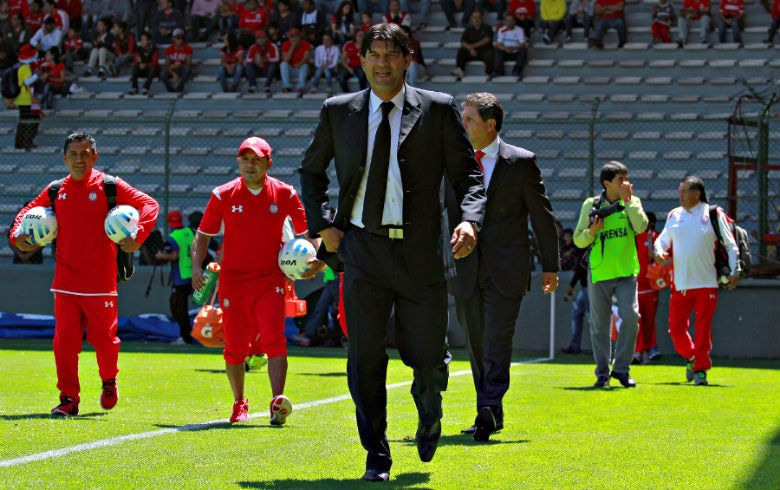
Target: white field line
113	441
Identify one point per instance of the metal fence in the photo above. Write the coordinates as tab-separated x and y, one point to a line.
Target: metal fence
179	156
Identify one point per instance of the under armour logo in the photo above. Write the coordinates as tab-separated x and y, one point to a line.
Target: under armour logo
238	209
279	290
108	304
712	296
62	196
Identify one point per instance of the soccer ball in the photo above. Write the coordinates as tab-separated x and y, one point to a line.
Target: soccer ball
281	408
293	257
121	222
41	224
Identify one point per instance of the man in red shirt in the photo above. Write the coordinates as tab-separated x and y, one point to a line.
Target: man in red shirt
178	63
261	60
611	15
732	15
84	286
253	18
350	63
691	11
295	61
250	212
525	14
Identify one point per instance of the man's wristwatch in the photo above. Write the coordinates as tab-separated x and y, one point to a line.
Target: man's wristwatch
476	225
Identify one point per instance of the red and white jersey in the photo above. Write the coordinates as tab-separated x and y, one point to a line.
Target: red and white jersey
775	9
690	236
352	53
327	57
402	18
732	8
270	52
73	44
178	56
34	21
86	259
699	7
522	8
252	226
510	38
253	20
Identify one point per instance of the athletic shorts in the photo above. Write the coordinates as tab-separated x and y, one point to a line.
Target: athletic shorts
253	312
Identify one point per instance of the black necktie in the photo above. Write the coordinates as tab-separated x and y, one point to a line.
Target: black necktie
376	184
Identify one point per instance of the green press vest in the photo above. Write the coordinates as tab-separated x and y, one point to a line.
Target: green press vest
183	238
613	253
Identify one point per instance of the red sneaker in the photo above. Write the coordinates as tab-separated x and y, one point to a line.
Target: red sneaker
110	394
240	411
67	407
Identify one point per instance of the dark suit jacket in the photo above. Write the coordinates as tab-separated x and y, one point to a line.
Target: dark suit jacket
432	142
515	192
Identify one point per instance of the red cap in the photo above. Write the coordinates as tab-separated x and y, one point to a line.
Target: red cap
259	147
174	219
293	32
27	53
260	34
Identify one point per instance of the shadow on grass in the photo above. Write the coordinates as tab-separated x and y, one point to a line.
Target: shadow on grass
767	469
326	375
401	480
462	440
47	415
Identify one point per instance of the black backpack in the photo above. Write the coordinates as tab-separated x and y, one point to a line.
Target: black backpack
124	261
9	85
744	257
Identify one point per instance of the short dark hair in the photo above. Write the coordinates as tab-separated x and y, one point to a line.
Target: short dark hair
488	107
695	183
391	33
77	138
610	170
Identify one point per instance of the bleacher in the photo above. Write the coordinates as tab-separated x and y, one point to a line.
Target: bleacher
659	108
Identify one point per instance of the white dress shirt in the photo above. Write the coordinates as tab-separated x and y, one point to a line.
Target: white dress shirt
489	160
394	206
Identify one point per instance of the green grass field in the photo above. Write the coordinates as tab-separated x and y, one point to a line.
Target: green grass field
170	427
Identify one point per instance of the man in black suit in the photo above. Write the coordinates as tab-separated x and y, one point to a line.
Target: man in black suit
490	283
387	231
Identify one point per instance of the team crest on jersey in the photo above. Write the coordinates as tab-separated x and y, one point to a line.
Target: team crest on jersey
225	303
92	196
273	208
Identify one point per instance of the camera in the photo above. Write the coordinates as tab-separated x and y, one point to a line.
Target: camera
606	211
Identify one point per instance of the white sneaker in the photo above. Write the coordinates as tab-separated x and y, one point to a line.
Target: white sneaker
179	341
458	73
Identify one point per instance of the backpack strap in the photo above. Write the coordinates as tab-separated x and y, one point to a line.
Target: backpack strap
54	189
109	186
713	210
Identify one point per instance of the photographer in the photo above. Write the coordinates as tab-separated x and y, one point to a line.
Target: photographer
177	251
608	225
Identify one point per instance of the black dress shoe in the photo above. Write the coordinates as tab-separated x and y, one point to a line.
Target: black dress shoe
375	475
427	440
625	379
469	430
485	424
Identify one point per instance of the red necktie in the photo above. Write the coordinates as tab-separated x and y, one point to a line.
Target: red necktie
479	154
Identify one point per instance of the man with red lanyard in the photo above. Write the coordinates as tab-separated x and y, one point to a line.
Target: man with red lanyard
250	212
85	271
688	232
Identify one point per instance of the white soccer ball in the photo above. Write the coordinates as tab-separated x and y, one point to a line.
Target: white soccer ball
293	257
41	224
121	222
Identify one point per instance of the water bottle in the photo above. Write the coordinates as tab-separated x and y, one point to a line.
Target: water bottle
211	274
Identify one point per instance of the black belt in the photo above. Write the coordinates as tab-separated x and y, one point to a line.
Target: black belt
391	232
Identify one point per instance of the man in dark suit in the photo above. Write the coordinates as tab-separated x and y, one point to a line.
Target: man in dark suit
392	256
490	283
